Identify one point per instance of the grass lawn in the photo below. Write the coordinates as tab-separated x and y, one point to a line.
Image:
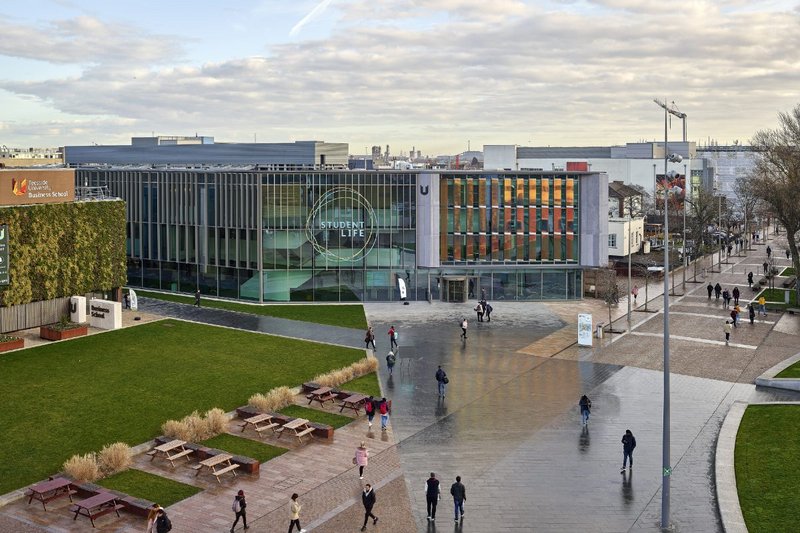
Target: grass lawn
76	396
320	417
777	297
789	271
367	384
246	447
148	486
767	460
346	316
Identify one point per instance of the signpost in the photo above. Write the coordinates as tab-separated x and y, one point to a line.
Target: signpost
584	329
4	267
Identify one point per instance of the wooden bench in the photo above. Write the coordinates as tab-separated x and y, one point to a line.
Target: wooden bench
96	506
298	427
271	425
230	468
50	490
792	310
789	282
321	395
303	433
165	449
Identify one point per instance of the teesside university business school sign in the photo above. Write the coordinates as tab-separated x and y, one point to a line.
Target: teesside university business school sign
25	187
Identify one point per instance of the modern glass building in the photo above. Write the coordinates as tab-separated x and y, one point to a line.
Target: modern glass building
339	235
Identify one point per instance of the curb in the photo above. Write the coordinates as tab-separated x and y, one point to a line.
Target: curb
768	379
727	495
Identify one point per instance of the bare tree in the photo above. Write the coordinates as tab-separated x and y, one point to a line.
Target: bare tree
776	179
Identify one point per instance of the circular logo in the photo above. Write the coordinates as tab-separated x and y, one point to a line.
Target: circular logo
341	225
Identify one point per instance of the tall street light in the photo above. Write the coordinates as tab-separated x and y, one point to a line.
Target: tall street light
666	469
685	262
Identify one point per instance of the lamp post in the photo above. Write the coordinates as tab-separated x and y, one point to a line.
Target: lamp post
685	263
666	469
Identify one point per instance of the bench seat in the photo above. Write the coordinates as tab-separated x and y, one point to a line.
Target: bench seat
303	433
184	453
231	468
271	426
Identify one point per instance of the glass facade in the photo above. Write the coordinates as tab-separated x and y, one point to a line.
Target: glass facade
346	236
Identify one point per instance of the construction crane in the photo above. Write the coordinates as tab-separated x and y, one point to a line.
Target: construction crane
673	110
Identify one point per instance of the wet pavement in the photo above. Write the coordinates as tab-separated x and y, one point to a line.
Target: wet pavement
510	426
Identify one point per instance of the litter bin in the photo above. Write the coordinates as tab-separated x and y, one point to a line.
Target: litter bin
599	331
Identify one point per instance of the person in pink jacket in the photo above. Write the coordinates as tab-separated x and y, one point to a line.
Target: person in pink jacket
361	458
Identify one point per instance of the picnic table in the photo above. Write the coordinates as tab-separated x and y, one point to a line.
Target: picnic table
171	451
96	506
50	490
354	402
299	426
222	460
322	395
260	423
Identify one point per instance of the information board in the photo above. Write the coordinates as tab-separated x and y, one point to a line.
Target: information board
584	329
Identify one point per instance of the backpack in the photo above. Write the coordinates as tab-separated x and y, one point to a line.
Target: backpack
390	359
236	507
164	524
384	408
369	406
396	336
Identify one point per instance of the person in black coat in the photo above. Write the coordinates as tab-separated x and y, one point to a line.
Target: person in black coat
368	499
736	296
717	290
710	289
239	509
628	444
750	278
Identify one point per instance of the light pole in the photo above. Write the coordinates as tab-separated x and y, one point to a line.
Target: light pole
630	222
666	469
685	262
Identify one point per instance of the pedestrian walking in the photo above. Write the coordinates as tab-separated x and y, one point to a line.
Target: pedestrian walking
295	514
769	251
762	305
383	409
479	311
197	298
628	444
483	293
710	289
152	515
369	408
163	524
635	293
361	459
730	249
442	380
464	328
726	298
766	267
751	311
127	300
393	336
459	493
727	329
736	295
390	361
488	310
788	253
738	311
432	496
733	317
368	499
369	338
750	279
238	507
586	405
717	291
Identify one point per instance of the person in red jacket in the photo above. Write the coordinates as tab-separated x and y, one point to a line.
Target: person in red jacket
392	338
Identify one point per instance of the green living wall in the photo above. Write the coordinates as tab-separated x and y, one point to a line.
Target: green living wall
59	250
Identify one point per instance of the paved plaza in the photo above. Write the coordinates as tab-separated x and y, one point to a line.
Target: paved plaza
509	424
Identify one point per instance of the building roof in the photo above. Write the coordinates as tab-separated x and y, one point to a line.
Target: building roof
618	189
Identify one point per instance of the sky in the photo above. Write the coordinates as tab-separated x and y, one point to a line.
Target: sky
436	75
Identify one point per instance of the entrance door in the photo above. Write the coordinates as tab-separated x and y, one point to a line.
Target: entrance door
455	290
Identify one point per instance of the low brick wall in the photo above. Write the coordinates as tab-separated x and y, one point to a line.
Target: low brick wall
321	431
201	453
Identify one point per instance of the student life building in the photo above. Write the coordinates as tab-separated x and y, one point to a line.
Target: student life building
297	230
338	235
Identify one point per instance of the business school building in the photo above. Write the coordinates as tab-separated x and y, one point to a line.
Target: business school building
340	235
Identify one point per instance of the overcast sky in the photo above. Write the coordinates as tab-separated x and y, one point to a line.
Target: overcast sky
434	74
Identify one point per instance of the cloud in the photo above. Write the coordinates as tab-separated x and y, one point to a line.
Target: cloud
567	76
87	40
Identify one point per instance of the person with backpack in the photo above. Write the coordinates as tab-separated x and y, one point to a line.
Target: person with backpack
390	361
479	310
383	409
464	325
393	338
459	493
152	515
586	405
441	378
488	310
368	499
727	330
369	408
238	507
628	444
369	338
163	523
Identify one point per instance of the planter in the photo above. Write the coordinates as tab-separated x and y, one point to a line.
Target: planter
12	345
46	332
